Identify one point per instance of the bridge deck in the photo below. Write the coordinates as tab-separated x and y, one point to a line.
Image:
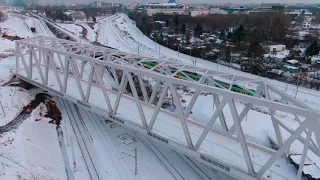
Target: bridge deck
225	150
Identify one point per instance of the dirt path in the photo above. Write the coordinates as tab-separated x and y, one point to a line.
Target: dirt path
24	114
84	32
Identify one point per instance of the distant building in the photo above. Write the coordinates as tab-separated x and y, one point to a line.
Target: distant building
97	4
151	12
218	11
160	6
306	24
194	13
166	8
270	4
262	12
238	10
295	14
276	48
107	4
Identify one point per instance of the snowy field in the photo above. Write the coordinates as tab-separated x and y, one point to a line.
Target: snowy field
77	30
32	151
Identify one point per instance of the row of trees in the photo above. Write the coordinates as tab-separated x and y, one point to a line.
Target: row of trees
57	12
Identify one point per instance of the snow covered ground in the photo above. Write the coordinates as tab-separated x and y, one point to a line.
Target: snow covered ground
77	30
32	151
91	34
20	25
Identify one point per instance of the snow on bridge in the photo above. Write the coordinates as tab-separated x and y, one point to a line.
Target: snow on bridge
116	85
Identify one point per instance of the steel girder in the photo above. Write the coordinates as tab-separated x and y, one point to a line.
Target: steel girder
67	59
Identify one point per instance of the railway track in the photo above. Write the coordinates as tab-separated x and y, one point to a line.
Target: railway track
82	137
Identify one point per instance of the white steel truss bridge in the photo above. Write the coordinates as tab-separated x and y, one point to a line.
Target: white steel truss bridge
146	95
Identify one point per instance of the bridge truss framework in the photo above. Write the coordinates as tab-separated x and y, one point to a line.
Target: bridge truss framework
113	71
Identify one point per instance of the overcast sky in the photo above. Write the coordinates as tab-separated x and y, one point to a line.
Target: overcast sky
191	1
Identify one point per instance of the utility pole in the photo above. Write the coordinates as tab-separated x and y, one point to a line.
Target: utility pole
218	61
299	76
136	161
65	126
159	51
138	47
287	84
73	157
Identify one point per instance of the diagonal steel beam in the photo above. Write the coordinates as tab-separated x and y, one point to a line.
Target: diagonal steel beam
37	64
222	119
123	85
242	140
182	119
154	91
66	73
22	59
54	67
89	84
299	138
193	99
137	100
77	77
157	108
243	114
97	74
304	154
143	88
210	123
283	148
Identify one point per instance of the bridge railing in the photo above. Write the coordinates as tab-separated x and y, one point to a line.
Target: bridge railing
160	86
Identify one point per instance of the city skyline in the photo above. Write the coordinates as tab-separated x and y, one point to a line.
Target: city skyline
189	1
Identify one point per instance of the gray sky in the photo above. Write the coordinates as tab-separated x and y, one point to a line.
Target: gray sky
190	1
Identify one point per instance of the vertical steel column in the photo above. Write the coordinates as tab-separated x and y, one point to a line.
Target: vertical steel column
30	63
17	58
46	62
304	154
66	73
89	83
182	119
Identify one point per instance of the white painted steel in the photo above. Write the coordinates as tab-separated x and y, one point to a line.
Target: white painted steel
79	58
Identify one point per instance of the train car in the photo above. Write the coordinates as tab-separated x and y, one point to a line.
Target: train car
196	77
